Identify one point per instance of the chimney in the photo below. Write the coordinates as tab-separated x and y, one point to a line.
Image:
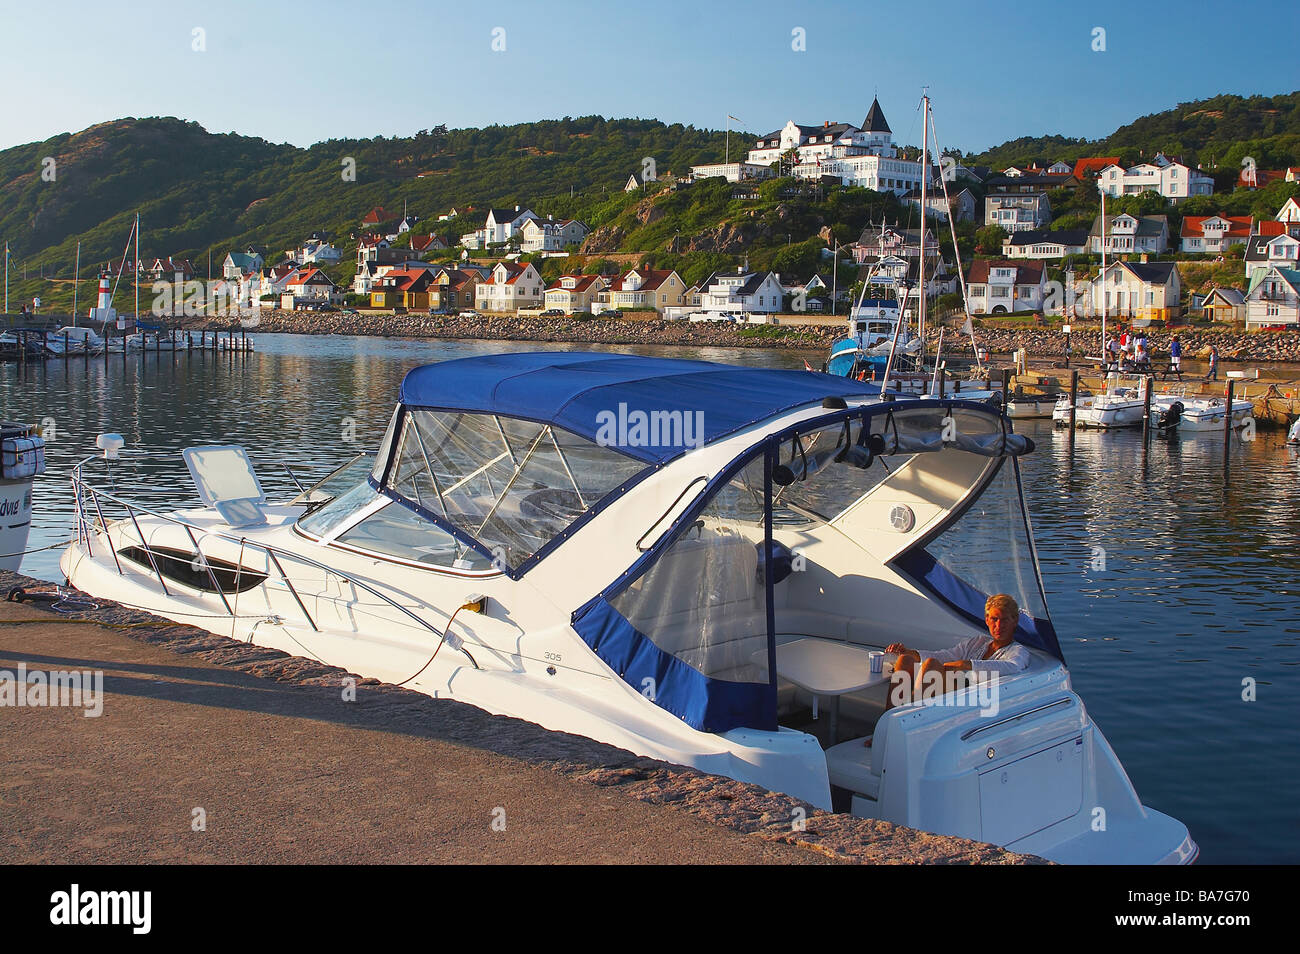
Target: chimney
516	208
826	123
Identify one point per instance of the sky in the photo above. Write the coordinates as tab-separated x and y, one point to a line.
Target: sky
302	73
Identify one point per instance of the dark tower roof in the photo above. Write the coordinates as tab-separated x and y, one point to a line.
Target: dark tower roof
875	121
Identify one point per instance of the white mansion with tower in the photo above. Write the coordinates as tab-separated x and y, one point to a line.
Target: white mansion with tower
857	155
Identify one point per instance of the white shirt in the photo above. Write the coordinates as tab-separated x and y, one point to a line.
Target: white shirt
1010	658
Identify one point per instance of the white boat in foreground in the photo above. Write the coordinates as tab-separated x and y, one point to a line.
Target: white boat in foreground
688	560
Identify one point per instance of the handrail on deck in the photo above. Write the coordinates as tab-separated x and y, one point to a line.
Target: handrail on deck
86	527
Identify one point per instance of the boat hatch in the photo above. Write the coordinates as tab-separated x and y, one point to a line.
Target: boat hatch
181	566
688	624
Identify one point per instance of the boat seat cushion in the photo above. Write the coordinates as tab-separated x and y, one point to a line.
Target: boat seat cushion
849	765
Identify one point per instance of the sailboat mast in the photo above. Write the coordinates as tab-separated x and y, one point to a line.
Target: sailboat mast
925	175
137	268
1104	355
76	281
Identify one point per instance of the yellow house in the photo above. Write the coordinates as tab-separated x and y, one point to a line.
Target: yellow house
573	293
642	289
1138	290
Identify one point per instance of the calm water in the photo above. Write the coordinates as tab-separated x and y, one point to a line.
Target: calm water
1199	589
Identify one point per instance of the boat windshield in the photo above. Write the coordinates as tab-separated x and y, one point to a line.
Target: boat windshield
988	549
510	485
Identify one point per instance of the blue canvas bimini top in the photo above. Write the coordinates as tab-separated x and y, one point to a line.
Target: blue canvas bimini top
578	391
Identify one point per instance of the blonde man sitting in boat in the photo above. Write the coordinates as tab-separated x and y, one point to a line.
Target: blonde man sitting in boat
997	652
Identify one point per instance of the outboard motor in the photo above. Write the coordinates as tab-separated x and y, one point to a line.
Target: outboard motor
1168	419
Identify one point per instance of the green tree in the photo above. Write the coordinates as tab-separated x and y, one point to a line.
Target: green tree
989	239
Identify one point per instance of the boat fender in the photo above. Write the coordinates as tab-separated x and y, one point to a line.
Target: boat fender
782	562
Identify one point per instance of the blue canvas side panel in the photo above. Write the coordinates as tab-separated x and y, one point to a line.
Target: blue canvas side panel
965	599
710	705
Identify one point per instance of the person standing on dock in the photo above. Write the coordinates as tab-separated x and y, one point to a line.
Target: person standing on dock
1214	364
1175	356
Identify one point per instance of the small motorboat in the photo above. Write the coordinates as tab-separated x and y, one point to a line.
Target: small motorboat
1205	414
1117	407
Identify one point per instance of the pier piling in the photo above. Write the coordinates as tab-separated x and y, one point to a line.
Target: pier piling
1074	395
1227	429
1146	410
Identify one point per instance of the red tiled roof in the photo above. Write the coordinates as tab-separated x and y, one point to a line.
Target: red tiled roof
1239	227
1262	177
1027	273
582	284
1093	165
1271	228
651	278
306	275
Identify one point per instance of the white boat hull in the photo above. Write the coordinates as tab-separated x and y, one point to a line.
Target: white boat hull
1206	414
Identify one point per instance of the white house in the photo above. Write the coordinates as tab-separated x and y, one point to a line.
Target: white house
239	264
1041	244
308	285
1126	234
550	235
1272	247
742	291
1168	177
1273	298
1215	233
1017	212
501	224
858	155
996	288
317	250
732	171
512	286
1290	211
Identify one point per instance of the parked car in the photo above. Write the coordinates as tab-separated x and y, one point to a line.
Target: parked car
552	313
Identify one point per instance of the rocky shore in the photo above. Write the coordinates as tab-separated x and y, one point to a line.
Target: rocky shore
1038	342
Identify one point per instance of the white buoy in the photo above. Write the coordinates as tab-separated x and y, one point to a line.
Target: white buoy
22	459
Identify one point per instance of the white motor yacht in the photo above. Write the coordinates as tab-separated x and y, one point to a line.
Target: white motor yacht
692	561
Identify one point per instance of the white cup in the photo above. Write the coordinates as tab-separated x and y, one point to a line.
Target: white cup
877	661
